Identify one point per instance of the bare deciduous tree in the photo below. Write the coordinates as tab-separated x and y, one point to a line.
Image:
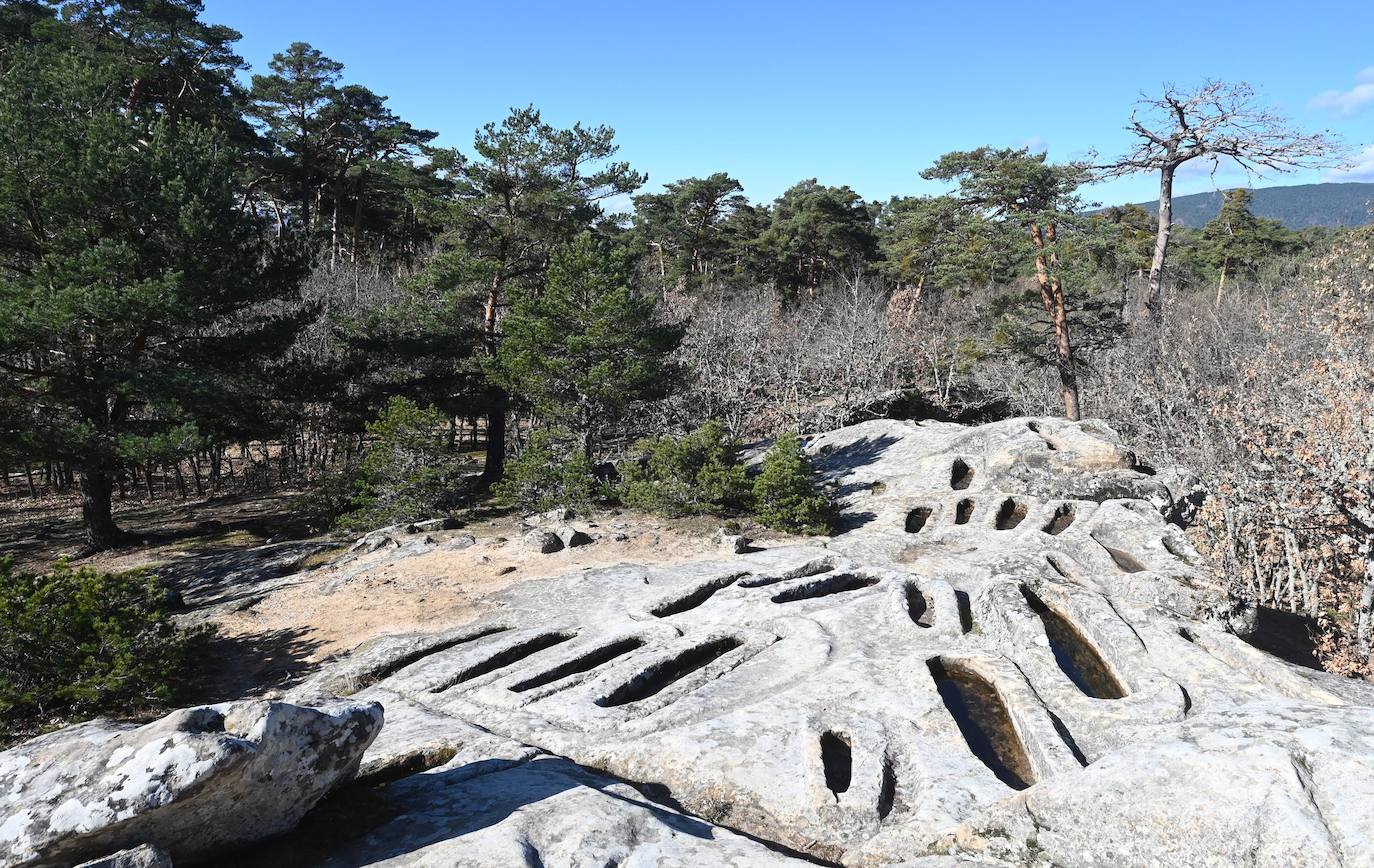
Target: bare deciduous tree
1215	121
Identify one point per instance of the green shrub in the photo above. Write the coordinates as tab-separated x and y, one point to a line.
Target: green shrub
697	474
785	495
408	472
552	471
74	642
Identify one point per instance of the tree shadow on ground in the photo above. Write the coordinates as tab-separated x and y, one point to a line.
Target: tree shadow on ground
362	825
852	456
233	667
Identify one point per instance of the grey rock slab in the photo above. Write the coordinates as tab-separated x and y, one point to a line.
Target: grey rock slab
556	516
541	811
1008	655
461	541
191	783
220	581
572	537
431	525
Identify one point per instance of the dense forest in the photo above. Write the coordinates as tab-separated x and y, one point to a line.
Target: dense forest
212	281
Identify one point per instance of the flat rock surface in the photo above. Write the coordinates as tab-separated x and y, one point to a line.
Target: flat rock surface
1008	656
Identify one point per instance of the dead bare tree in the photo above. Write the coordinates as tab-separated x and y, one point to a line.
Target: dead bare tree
1215	121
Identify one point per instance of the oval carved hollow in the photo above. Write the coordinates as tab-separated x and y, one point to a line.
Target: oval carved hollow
918	607
983	721
960	475
1060	521
837	761
657	678
587	662
1011	513
916	519
1076	656
502	659
837	583
963	513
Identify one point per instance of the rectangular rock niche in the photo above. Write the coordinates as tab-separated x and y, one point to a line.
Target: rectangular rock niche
657	678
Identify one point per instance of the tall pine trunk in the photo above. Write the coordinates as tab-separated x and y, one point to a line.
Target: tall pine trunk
497	400
1056	305
97	485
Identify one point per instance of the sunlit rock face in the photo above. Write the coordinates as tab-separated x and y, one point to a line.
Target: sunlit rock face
193	784
1008	655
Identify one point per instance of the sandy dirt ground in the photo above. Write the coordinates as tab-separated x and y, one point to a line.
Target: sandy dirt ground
331	609
335	602
337	607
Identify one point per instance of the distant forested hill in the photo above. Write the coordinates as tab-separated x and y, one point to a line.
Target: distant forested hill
1296	206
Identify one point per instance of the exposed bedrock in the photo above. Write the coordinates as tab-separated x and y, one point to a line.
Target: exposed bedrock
1009	651
1009	656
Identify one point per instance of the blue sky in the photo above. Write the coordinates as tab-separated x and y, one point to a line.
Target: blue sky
861	93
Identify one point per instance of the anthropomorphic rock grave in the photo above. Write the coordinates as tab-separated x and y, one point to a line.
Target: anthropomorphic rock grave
1010	655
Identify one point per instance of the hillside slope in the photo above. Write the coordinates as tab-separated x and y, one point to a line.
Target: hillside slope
1296	207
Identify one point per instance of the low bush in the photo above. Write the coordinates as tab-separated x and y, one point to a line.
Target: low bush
785	495
694	475
408	472
552	471
75	642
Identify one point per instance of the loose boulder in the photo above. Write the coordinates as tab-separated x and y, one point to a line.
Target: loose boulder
194	782
571	537
543	541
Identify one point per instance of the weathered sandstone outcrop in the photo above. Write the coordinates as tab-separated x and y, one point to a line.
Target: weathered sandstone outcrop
1009	655
191	784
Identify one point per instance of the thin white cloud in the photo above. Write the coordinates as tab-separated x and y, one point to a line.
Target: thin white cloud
1348	102
1361	168
1035	144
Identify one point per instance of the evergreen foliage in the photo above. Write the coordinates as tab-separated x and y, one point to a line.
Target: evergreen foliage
700	473
75	642
408	473
687	228
785	495
134	291
587	347
1238	242
551	472
939	241
528	189
818	234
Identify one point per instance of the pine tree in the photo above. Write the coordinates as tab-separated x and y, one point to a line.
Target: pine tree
528	189
684	227
294	104
1237	242
785	495
818	234
588	346
132	286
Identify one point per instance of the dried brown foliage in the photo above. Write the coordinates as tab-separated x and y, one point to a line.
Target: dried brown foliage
1271	399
